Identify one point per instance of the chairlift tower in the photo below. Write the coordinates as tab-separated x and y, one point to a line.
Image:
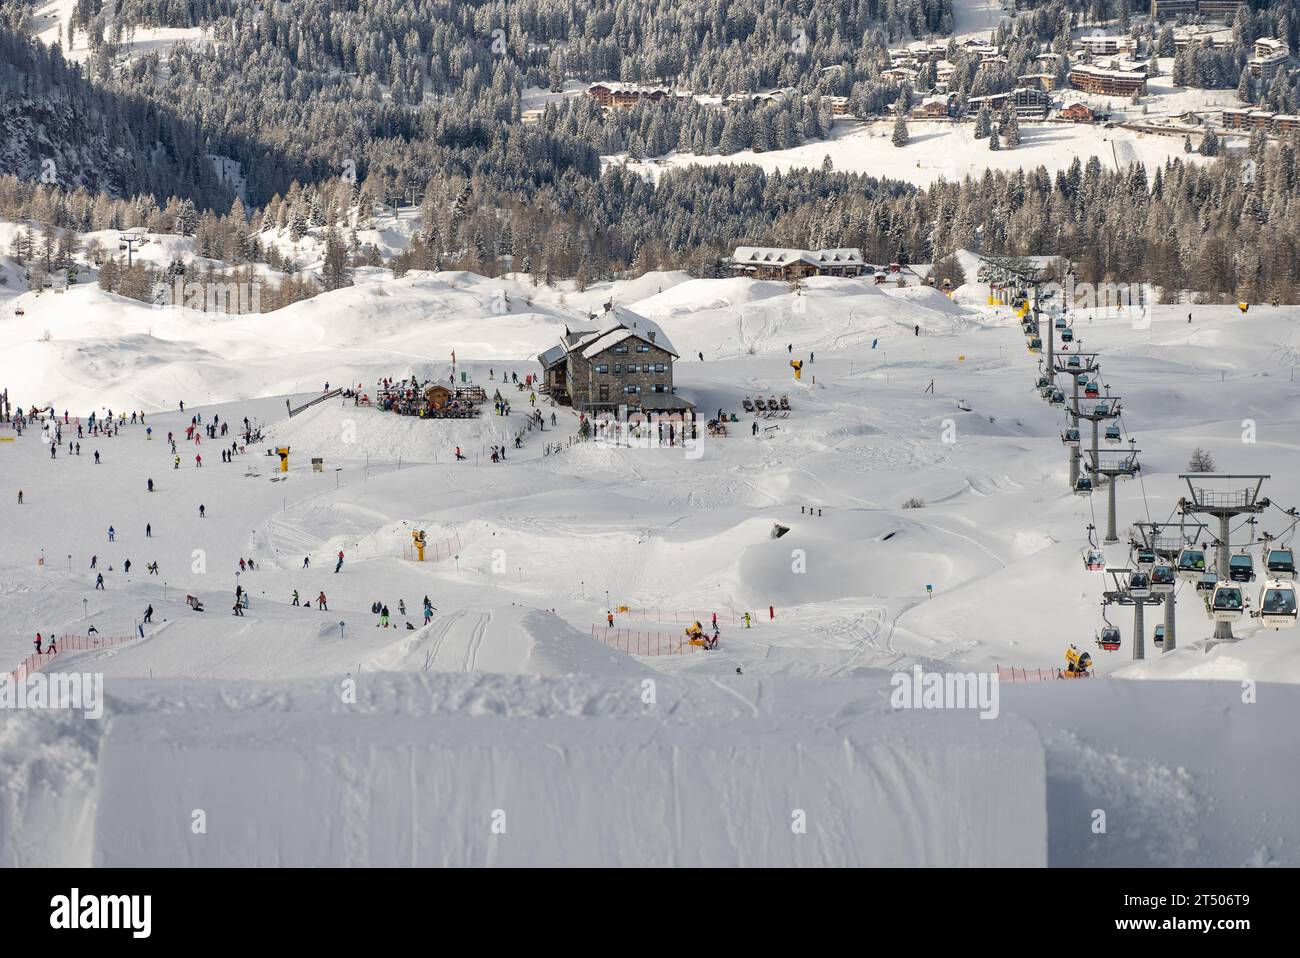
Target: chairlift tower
1155	536
1121	596
128	242
1087	366
1096	411
1224	505
1113	464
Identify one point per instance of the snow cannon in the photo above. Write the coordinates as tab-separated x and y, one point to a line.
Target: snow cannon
1077	663
417	536
283	453
797	366
1243	307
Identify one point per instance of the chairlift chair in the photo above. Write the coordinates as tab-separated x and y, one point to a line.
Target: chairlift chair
1139	585
1277	604
1241	568
1280	564
1109	637
1191	564
1163	579
1228	602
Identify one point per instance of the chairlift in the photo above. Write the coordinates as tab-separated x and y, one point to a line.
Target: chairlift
1281	564
1241	568
1073	362
1067	336
1057	398
1071	438
1083	486
1035	345
1277	604
1145	559
1228	603
1044	382
1163	579
1102	409
1091	390
1207	582
1094	560
1139	585
1191	564
1061	323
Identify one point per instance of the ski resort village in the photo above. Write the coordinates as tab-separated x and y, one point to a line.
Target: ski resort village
863	436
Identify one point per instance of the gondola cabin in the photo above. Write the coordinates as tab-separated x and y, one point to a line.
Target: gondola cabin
1277	605
1191	564
1280	564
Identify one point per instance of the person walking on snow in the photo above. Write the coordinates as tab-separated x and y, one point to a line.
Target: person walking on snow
148	614
201	511
20	497
148	531
38	642
306	561
383	617
295	596
320	603
99	582
111	534
239	610
609	618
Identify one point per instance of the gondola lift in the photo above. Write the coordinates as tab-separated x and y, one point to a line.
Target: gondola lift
1277	604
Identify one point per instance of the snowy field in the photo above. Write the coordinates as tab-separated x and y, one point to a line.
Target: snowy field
944	150
510	692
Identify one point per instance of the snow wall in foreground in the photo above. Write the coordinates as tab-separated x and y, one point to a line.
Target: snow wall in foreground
330	790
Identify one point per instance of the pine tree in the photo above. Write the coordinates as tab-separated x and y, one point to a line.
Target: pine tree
901	135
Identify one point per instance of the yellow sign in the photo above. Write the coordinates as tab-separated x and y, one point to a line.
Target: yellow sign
6	438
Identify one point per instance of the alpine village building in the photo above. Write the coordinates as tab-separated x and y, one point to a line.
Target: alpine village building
626	361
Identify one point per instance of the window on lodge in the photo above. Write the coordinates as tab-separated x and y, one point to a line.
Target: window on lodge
631	389
622	350
602	367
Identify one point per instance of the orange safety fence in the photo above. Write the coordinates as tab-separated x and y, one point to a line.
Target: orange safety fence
68	643
687	616
638	642
434	551
1013	674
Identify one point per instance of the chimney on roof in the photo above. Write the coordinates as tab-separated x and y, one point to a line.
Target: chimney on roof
652	335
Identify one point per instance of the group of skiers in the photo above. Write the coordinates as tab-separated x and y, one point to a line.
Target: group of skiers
380	609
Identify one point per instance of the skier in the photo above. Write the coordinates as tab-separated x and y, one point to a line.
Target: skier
20	497
176	462
38	642
916	330
339	565
148	614
239	610
99	582
383	617
320	603
94	560
151	485
126	566
148	530
428	610
198	462
202	513
609	618
459	457
97	457
746	617
295	596
715	622
401	607
306	561
111	534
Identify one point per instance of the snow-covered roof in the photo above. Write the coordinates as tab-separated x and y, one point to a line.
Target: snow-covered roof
1115	74
774	256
